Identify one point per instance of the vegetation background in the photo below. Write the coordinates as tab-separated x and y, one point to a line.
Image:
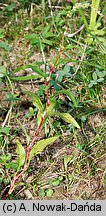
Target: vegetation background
68	160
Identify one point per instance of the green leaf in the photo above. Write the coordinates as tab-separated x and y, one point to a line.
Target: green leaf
2	71
60	75
48	34
101	74
5	130
36	100
10	97
10	7
50	181
5	46
69	94
34	41
100	32
41	193
71	178
67	159
1	33
68	118
92	82
49	192
60	178
69	46
48	42
71	97
39	116
50	108
63	73
83	118
34	67
44	29
12	165
1	180
94	76
5	158
56	182
21	152
80	146
31	36
23	78
100	80
66	68
31	110
38	70
40	145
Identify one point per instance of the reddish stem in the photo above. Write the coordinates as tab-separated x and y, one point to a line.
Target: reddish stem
48	79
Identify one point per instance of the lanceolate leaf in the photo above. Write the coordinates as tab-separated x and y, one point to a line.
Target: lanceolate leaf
5	130
38	70
21	152
69	94
48	42
40	145
36	100
67	159
23	78
39	116
34	67
71	97
68	118
2	71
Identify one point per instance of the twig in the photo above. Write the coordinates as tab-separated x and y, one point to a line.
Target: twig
71	35
82	57
57	7
7	116
49	3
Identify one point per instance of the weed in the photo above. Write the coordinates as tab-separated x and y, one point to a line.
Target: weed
73	85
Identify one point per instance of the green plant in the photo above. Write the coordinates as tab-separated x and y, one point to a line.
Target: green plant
66	72
93	31
44	111
3	130
97	77
44	38
51	185
94	25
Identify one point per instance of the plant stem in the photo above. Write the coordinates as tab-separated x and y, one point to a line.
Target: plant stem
26	165
94	9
